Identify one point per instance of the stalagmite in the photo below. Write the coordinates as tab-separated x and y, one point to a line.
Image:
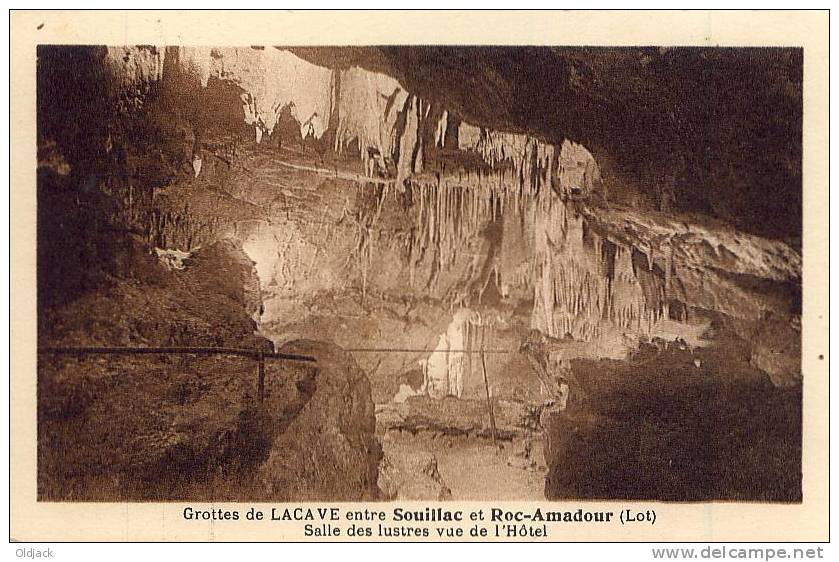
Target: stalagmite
447	369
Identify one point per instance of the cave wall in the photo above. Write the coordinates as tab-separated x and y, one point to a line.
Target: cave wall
710	130
467	214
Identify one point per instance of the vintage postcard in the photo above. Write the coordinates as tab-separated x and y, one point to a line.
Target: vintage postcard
419	276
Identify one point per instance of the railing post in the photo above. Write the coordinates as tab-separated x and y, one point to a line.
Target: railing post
490	408
260	387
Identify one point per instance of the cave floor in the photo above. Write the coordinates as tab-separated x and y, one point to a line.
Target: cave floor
472	468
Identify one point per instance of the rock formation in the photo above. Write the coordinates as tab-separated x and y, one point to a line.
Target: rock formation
525	210
328	452
378	211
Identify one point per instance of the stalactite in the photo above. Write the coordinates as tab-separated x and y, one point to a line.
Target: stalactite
137	65
514	185
370	106
408	141
580	284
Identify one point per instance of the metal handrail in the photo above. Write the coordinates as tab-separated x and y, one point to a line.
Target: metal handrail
250	352
242	352
259	355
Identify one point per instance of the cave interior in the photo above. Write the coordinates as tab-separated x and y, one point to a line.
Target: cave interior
524	272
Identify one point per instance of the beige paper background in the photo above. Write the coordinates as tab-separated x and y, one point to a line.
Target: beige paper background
35	521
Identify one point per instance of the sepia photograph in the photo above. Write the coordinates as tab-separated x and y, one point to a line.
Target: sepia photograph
418	273
380	272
